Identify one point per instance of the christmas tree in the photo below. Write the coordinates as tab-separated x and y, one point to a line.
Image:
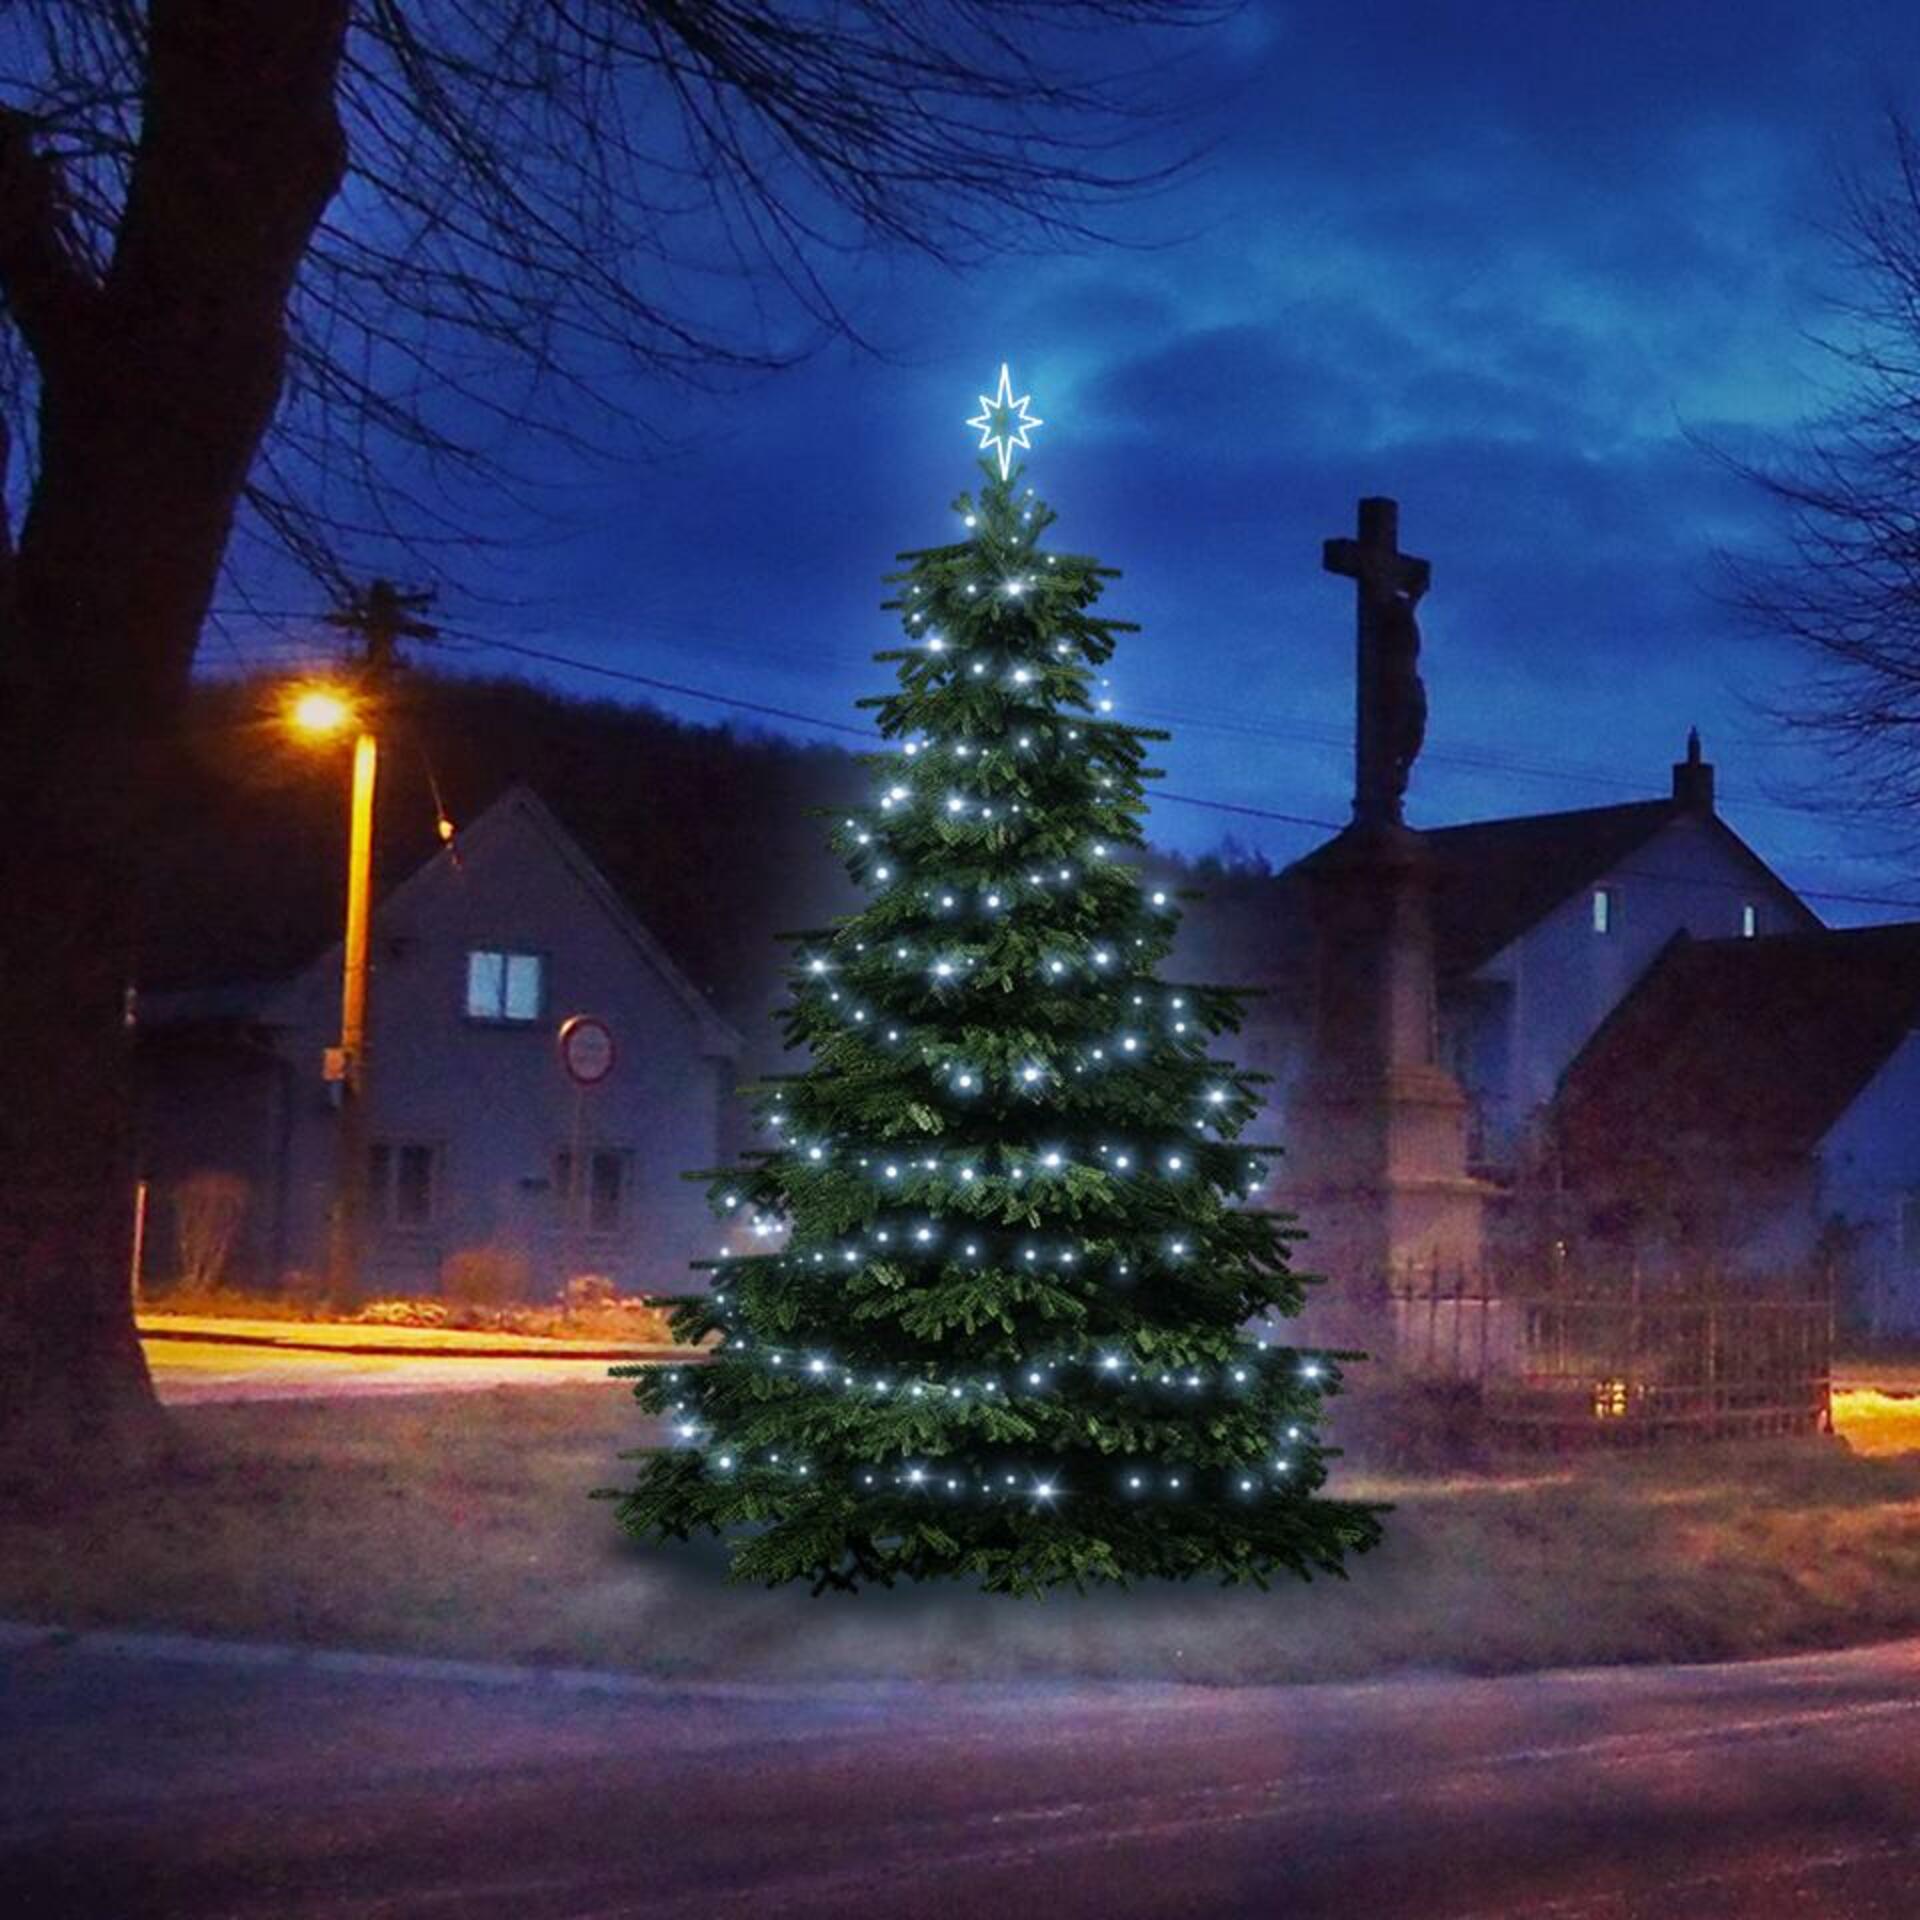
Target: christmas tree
996	1323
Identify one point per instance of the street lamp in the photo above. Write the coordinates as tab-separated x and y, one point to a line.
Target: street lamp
320	712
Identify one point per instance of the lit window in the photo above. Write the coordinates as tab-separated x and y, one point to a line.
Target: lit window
609	1176
1610	1399
506	986
1749	920
400	1183
1606	909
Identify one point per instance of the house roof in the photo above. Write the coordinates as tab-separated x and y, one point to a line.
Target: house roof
1750	1049
256	1002
1496	878
717	1035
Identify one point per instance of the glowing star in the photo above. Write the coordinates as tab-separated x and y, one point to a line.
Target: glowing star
1004	422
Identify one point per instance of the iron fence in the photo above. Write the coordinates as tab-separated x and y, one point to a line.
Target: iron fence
1561	1360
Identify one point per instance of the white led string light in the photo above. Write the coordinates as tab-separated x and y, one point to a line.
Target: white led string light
1277	1470
967	873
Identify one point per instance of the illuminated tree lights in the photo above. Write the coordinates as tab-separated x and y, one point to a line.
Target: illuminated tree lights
982	1309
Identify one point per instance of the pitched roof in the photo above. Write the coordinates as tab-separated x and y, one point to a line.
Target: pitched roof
257	1002
1747	1049
520	802
1496	878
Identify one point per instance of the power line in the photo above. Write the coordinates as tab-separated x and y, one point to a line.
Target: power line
1242	808
1470	757
838	726
669	686
1238	806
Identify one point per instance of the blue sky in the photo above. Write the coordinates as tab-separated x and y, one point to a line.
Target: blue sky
1508	263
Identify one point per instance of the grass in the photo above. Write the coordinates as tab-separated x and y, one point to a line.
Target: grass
459	1525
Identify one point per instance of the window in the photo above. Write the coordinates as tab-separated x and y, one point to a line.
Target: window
609	1175
1749	920
1606	909
400	1183
1910	1231
506	987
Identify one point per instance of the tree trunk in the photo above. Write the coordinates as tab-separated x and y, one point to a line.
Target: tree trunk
157	380
73	1383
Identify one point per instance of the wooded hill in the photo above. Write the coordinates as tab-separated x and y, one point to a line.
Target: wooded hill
715	835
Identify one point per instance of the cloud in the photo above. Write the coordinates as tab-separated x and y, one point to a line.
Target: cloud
1496	260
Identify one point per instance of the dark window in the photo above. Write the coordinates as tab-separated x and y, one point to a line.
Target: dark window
508	987
400	1183
1910	1231
609	1174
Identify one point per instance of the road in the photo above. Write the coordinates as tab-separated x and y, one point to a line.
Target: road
172	1787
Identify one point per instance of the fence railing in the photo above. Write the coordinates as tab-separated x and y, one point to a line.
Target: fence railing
1561	1360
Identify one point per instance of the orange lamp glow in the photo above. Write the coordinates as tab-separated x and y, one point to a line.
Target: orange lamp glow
319	711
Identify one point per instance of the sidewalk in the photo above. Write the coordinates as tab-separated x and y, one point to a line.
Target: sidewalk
353	1338
199	1359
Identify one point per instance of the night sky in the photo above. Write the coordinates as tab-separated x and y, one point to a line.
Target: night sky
1508	263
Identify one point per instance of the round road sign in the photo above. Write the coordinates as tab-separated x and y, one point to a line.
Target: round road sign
586	1049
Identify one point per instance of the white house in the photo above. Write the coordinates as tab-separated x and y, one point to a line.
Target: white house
478	1137
1542	924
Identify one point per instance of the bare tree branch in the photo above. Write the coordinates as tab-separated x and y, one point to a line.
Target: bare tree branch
1846	492
549	198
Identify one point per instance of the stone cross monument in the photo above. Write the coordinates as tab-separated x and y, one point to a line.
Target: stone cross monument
1390	711
1378	1164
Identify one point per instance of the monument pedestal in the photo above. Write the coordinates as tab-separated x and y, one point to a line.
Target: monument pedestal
1377	1161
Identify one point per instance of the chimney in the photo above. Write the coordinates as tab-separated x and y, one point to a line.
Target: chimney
1693	778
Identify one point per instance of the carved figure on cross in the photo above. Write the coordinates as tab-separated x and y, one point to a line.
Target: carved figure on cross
1390	719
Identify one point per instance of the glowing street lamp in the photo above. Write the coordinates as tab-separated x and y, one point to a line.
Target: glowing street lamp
321	713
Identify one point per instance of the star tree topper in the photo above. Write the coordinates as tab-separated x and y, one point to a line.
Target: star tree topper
1004	422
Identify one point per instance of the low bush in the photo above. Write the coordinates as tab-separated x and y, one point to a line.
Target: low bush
403	1313
588	1293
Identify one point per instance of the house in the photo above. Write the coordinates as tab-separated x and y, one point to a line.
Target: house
1542	924
1756	1104
479	1141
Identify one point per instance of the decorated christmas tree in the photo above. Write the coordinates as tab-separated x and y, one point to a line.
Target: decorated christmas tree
1005	1305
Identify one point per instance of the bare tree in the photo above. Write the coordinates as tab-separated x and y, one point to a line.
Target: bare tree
256	258
1847	489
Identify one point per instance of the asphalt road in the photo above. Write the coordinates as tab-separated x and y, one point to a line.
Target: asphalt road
136	1788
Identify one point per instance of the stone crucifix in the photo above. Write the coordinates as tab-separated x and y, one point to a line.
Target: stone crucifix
1390	720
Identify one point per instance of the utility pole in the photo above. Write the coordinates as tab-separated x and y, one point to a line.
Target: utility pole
382	616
